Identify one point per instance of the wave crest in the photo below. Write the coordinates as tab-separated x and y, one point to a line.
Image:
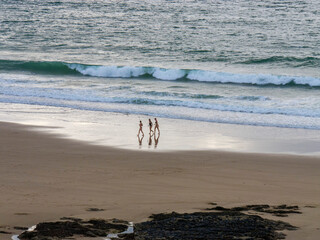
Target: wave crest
157	73
194	75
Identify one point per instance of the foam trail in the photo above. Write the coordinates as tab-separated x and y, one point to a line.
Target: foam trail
108	71
51	95
256	79
195	75
168	74
128	71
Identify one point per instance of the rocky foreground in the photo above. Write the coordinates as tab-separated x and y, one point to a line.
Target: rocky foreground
222	223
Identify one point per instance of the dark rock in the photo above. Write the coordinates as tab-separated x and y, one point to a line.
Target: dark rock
210	225
102	224
71	219
20	228
221	208
280	211
91	234
95	209
129	236
28	235
222	224
4	232
22	214
114	220
258	206
310	206
71	227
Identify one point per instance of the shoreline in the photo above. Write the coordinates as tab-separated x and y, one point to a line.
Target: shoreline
120	131
44	177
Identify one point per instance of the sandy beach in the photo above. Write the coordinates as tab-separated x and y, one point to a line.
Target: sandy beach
234	86
44	177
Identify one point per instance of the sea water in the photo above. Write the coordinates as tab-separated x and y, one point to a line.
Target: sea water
235	62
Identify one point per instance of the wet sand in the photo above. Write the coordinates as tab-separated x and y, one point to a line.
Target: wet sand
120	131
44	177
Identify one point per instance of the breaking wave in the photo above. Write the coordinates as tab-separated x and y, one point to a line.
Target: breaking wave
157	73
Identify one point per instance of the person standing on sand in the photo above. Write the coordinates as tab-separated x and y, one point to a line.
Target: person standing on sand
156	126
140	128
150	126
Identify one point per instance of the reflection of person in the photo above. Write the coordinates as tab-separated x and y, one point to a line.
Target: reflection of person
140	129
156	126
140	140
150	140
150	126
156	140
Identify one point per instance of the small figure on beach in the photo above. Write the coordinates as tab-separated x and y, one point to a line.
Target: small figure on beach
140	129
150	126
156	126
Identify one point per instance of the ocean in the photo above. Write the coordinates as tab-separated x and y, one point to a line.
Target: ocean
235	62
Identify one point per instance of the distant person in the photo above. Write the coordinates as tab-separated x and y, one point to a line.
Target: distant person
140	128
150	126
156	126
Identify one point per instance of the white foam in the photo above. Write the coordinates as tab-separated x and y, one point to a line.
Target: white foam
30	229
196	75
258	79
129	230
108	71
168	74
298	107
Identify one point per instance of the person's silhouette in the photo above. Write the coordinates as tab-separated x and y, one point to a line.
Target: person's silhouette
140	128
156	126
150	126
